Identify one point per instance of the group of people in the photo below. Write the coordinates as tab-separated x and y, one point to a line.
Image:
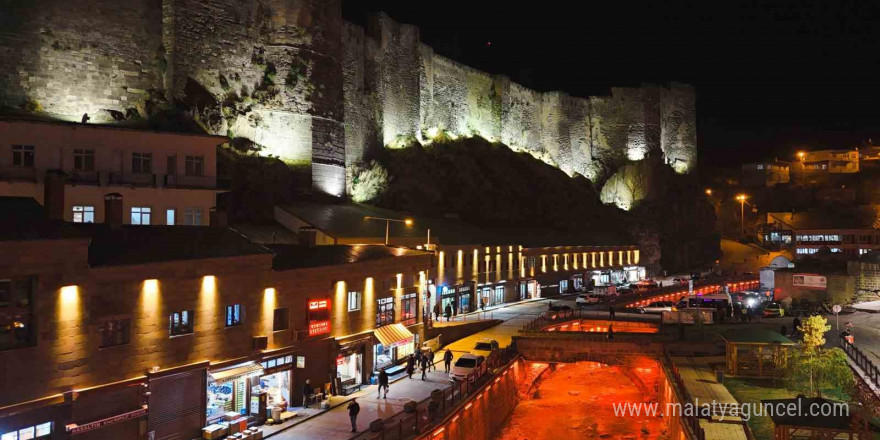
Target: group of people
425	361
448	311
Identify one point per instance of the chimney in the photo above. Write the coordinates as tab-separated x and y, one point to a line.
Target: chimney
113	209
308	236
219	218
53	194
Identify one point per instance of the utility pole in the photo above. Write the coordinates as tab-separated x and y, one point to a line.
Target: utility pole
388	221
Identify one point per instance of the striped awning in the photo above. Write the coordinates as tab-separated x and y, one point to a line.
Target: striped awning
249	369
393	335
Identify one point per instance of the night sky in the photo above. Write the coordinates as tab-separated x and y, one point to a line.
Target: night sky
771	77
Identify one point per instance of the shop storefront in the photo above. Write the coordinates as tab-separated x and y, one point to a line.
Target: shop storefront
350	360
499	294
447	298
393	344
634	274
228	389
465	297
528	289
485	295
577	281
275	382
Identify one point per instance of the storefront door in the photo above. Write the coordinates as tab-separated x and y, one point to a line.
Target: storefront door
485	296
349	369
499	295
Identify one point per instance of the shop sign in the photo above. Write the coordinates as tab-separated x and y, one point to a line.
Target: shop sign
75	429
340	361
808	281
275	365
300	362
319	327
319	304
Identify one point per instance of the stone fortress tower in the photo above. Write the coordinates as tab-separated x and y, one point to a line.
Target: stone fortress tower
291	79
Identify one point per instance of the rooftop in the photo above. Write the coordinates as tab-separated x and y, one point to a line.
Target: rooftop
347	220
856	218
24	219
298	257
126	245
31	119
755	336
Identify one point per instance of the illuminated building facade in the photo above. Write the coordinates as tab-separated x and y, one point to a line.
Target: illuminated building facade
162	329
162	178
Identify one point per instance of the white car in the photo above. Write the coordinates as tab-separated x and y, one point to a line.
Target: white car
587	299
658	307
465	365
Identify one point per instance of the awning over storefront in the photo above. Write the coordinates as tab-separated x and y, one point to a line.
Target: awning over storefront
237	371
393	335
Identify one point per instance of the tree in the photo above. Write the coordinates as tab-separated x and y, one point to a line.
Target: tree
812	368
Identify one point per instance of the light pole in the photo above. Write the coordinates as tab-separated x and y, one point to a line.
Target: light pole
742	211
388	221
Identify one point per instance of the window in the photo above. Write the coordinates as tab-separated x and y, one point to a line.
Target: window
171	165
16	313
83	214
408	307
192	216
41	431
760	166
83	160
142	163
384	311
195	166
23	156
281	319
181	323
354	301
115	332
169	217
140	215
234	315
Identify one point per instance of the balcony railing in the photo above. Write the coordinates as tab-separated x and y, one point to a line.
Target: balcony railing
141	179
85	177
20	174
178	181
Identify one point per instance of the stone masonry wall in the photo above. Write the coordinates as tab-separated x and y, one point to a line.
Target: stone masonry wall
293	80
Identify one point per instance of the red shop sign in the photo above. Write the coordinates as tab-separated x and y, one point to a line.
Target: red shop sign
318	327
75	429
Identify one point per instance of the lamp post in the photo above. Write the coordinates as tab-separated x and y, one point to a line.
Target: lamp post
742	211
388	221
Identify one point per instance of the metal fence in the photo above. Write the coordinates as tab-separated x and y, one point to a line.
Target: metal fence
409	425
691	421
862	361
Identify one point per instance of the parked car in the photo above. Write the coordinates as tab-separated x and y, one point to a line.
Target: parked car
658	307
774	310
465	365
587	299
680	281
555	311
646	284
485	346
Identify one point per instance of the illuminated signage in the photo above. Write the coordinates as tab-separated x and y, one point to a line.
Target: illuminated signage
75	429
318	327
808	281
319	304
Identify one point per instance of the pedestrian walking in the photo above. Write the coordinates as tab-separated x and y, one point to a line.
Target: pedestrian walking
424	366
437	312
448	312
796	326
611	311
447	360
431	360
383	383
610	332
353	409
307	393
410	366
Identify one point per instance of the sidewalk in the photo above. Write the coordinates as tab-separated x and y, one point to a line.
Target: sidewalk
334	424
699	379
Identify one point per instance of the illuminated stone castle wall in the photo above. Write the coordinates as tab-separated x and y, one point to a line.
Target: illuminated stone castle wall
294	79
397	89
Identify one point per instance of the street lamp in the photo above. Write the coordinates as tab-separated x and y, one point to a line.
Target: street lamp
708	191
742	211
801	155
388	221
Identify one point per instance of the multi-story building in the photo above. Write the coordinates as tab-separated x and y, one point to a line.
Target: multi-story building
164	178
805	233
827	162
477	267
765	173
111	331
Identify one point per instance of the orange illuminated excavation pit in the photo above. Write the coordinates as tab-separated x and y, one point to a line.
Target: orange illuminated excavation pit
577	401
601	326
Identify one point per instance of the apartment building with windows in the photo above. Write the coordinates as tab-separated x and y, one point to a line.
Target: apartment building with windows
153	332
806	233
765	173
164	178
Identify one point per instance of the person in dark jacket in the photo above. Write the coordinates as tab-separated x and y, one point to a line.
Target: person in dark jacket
437	312
410	366
431	360
447	360
610	332
423	364
610	311
353	409
447	312
307	393
383	383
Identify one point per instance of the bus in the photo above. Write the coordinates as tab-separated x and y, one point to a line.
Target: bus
718	301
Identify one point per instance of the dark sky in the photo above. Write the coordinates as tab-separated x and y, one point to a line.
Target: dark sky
771	77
